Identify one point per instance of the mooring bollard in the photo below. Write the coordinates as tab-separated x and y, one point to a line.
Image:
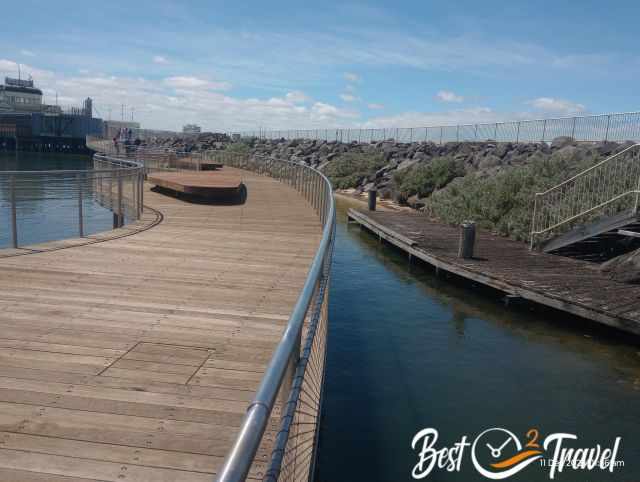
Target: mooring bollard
467	239
372	199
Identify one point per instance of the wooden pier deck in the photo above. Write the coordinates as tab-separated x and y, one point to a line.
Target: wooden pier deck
134	359
569	285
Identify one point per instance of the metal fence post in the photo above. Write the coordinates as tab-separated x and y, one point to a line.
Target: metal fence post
544	129
80	207
14	216
120	213
518	133
606	132
495	133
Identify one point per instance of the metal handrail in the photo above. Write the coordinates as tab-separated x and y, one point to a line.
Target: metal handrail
588	170
601	186
78	182
240	458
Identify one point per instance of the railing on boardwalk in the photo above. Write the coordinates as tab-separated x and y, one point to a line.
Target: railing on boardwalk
605	127
609	188
295	374
296	369
116	184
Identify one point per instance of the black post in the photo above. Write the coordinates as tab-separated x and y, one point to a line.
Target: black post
467	239
372	199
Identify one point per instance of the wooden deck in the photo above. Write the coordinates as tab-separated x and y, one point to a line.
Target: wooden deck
134	359
566	284
210	184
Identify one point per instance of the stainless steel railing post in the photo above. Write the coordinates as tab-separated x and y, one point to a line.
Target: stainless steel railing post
119	202
80	206
141	181
14	215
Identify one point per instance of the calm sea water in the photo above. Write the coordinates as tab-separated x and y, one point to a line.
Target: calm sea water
47	209
407	351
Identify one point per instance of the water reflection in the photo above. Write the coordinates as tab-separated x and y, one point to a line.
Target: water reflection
47	207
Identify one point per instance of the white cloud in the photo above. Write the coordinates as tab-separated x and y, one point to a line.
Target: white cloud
448	96
169	103
9	68
351	77
296	97
188	82
549	105
374	106
159	59
425	119
349	97
27	53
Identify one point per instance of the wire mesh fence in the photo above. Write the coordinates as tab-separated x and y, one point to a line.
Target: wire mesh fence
605	127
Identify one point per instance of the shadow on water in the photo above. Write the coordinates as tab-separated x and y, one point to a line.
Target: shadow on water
408	350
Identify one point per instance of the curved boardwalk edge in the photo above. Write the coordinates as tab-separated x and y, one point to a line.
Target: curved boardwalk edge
150	218
565	284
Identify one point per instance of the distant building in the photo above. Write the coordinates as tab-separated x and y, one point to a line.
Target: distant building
191	129
17	95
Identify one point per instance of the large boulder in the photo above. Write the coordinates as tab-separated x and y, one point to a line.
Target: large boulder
562	141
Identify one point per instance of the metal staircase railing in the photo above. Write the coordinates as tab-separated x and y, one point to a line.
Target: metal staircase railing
610	187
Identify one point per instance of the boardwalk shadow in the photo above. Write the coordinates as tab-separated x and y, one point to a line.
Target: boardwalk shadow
223	199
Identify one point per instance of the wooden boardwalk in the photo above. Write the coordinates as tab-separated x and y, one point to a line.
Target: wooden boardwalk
566	284
134	359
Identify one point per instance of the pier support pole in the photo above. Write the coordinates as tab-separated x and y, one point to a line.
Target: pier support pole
467	239
372	199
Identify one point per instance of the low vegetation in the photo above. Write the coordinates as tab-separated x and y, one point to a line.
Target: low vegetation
349	169
423	179
239	147
503	201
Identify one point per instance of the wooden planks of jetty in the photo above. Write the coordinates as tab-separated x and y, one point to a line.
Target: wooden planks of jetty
135	359
569	285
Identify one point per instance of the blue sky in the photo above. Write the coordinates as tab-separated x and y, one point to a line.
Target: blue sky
249	65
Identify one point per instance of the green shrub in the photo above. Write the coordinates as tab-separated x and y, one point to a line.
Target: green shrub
347	170
423	179
240	147
503	202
